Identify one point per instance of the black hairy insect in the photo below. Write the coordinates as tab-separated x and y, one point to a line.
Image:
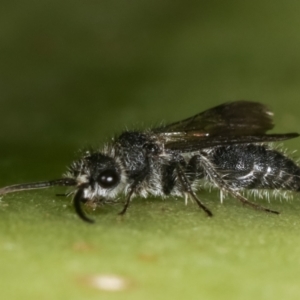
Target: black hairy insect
226	146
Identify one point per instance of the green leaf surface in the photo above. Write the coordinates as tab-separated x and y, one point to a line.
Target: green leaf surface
74	74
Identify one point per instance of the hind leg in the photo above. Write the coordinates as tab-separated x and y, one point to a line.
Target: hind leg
223	185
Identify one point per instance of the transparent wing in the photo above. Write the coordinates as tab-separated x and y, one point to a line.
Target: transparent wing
229	123
234	118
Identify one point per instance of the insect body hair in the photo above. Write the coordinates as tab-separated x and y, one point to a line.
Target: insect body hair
225	147
258	170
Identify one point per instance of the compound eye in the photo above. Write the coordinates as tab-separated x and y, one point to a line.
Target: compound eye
108	178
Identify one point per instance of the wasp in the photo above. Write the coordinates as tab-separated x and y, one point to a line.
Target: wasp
226	146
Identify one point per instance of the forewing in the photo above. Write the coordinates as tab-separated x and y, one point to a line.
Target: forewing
236	122
234	118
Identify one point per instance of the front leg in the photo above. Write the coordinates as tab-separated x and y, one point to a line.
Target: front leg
128	199
133	188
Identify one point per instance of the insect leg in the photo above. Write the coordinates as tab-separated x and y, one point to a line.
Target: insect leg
249	203
137	181
186	185
223	186
127	202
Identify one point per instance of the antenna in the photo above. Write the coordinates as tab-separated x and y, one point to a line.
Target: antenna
37	185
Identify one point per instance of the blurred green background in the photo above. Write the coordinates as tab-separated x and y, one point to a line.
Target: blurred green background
73	74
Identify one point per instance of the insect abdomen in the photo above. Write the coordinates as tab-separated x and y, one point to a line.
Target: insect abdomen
256	167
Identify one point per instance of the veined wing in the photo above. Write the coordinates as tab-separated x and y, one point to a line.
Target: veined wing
230	123
233	118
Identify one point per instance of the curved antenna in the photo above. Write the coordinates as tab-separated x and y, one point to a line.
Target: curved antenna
78	198
38	185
